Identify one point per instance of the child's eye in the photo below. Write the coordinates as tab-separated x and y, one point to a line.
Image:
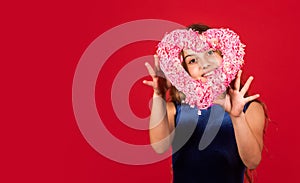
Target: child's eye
210	52
192	61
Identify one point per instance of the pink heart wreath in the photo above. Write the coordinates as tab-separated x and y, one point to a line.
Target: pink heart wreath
198	93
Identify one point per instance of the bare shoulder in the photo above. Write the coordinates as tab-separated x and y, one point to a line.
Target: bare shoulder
255	116
171	110
255	108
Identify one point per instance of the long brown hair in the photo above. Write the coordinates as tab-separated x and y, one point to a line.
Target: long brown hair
175	96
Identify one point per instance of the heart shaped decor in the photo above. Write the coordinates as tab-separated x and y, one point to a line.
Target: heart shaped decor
198	93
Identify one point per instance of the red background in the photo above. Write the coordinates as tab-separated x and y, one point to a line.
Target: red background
42	42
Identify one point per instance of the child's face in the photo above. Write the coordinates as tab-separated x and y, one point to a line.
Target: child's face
200	65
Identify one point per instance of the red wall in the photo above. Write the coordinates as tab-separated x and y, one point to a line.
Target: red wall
42	44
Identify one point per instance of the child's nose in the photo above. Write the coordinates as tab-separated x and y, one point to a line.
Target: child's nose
203	64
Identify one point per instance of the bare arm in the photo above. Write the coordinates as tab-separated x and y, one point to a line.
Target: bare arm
248	129
162	113
248	126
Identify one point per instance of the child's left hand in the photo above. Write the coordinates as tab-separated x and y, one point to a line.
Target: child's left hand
235	99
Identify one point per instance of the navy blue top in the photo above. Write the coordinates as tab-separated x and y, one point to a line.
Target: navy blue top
204	147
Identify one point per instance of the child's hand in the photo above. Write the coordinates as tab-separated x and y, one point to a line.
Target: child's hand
235	100
159	83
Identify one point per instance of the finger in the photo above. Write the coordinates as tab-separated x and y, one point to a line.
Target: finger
237	83
230	90
252	97
157	69
247	85
150	70
156	63
149	83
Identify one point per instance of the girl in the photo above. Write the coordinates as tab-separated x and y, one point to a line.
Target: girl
238	143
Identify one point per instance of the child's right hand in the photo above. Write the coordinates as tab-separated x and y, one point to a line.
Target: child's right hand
159	82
